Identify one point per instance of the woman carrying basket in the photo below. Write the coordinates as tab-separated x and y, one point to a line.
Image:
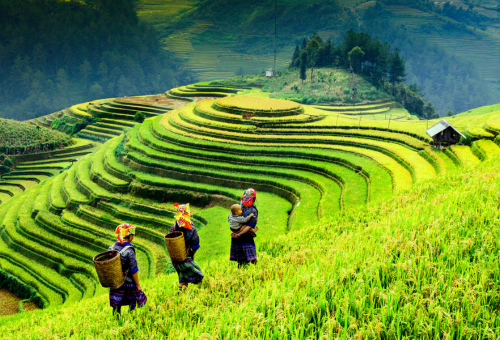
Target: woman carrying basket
130	294
243	248
188	270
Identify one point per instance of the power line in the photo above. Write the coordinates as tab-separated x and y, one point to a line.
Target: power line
275	32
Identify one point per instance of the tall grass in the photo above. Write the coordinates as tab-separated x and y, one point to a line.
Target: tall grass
423	264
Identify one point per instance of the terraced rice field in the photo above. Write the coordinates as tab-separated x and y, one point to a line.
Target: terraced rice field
32	169
471	48
306	169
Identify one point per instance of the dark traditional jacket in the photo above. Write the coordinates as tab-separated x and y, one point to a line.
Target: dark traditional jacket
191	238
129	261
249	210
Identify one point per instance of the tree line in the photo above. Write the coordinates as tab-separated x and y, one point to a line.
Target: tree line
57	53
369	57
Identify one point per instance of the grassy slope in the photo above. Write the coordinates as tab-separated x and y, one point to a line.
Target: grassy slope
479	111
328	86
423	264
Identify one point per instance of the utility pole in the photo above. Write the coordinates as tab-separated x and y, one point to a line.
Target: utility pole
275	33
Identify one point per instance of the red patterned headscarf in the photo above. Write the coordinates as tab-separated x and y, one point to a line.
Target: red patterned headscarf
124	230
183	216
248	197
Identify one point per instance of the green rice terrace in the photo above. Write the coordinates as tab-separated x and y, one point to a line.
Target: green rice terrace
367	231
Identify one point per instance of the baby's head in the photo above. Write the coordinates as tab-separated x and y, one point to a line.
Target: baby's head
236	210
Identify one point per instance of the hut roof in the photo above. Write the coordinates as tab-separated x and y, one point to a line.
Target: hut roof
441	126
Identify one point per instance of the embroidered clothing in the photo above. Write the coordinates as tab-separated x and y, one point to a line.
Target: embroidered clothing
128	259
189	271
183	216
251	210
127	295
124	230
248	197
243	249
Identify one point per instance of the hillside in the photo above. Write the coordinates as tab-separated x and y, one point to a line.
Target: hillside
401	268
328	86
446	57
329	179
54	53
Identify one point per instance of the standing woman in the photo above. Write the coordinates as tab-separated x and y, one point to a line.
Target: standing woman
243	248
188	270
130	294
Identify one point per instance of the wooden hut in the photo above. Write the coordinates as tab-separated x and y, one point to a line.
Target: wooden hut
444	133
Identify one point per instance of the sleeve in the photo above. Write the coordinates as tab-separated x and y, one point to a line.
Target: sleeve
132	261
255	215
241	219
253	220
195	240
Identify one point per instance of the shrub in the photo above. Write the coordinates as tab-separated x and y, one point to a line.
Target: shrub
139	116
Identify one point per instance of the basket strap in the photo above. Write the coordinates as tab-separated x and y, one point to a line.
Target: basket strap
123	250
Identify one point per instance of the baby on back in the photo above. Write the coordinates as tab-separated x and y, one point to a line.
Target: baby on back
237	222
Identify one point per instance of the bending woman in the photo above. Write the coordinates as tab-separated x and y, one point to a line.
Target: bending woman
130	294
243	248
188	270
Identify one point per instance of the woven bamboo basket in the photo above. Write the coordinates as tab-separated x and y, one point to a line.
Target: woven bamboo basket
176	246
109	269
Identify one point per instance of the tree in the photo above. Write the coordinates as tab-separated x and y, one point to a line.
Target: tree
85	70
125	87
303	66
39	57
397	69
296	57
312	51
139	116
356	56
417	90
304	44
96	91
62	81
449	113
430	111
240	72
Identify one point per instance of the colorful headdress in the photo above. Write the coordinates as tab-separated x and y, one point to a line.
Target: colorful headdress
124	230
183	216
248	197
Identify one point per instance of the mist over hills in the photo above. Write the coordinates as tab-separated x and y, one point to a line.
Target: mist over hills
446	56
56	53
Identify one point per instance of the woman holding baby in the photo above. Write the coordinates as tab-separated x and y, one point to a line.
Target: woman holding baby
243	223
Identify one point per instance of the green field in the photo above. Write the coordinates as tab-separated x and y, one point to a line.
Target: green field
360	233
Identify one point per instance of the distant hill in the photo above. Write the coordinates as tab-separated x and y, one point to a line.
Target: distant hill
446	52
54	53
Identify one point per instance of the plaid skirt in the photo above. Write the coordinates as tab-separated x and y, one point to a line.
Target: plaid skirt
243	251
127	295
188	271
